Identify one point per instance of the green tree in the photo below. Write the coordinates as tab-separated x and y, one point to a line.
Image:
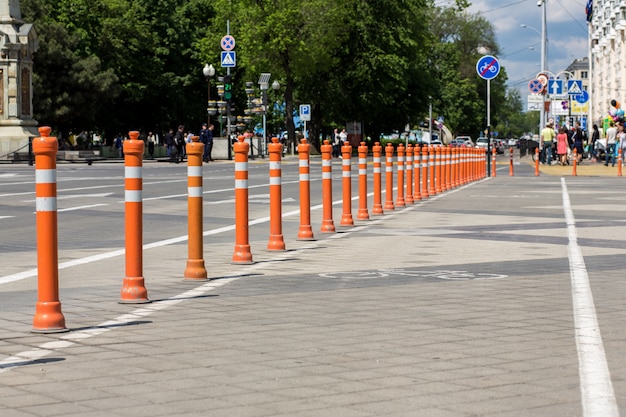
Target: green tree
291	39
382	67
461	95
118	65
68	87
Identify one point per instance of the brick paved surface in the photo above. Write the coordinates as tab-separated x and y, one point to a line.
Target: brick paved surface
460	305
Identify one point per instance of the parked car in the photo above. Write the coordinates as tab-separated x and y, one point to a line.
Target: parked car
460	141
436	142
496	144
482	143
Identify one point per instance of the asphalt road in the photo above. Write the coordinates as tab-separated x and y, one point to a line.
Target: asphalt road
91	205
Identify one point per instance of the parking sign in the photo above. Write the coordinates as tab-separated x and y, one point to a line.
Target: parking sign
305	112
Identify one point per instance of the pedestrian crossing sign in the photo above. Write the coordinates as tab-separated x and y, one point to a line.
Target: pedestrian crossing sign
229	59
574	87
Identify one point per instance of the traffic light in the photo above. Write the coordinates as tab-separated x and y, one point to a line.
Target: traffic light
228	87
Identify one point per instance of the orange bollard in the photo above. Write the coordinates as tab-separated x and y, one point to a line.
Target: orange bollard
363	213
48	315
575	163
464	154
276	242
195	270
389	177
480	170
305	232
377	208
417	167
346	176
479	167
409	174
493	162
470	159
472	163
448	166
242	254
619	161
400	198
511	173
536	162
432	171
475	164
456	153
133	289
328	226
425	169
438	176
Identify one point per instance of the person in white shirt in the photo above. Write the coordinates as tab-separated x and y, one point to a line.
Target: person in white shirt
611	135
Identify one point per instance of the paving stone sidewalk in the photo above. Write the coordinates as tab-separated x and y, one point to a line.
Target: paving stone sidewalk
460	305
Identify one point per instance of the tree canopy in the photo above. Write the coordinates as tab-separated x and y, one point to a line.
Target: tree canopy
117	65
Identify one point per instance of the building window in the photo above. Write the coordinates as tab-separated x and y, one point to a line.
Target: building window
1	91
25	83
584	75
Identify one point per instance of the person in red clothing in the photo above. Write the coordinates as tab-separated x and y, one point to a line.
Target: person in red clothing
562	146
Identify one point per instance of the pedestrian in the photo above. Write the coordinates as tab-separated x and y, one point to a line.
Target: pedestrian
621	139
151	142
208	148
204	138
578	138
169	143
562	147
611	136
343	138
547	139
119	145
334	139
595	135
179	141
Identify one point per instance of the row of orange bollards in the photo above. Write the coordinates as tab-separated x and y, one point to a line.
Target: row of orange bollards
428	171
436	170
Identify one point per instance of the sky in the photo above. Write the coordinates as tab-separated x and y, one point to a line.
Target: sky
566	31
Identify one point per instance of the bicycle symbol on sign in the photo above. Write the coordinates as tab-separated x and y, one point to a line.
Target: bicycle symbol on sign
488	67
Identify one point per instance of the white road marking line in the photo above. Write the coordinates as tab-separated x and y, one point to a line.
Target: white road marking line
596	388
81	207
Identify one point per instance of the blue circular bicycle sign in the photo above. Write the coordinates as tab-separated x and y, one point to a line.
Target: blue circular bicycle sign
488	67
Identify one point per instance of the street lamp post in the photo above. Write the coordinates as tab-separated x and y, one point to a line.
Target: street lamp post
209	72
430	118
264	85
542	111
275	87
544	67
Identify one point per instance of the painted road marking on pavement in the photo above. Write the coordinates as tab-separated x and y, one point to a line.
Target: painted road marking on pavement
388	273
596	388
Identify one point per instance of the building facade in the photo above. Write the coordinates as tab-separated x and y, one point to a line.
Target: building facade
18	43
607	33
